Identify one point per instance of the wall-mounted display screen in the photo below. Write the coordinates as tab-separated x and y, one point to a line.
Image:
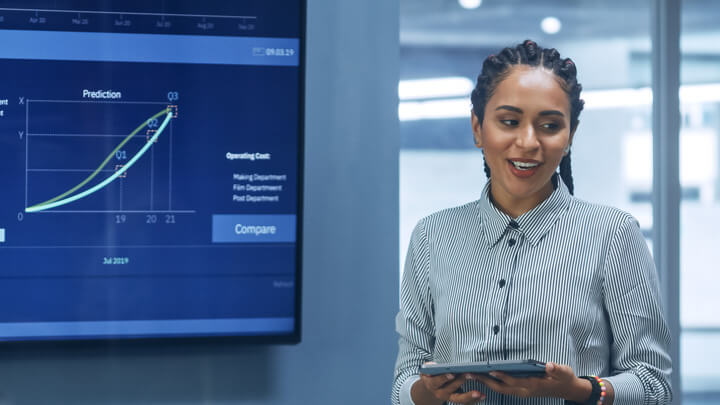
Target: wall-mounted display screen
151	169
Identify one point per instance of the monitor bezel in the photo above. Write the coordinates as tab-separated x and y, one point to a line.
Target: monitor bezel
113	342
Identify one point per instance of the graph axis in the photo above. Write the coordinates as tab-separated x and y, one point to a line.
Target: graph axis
152	209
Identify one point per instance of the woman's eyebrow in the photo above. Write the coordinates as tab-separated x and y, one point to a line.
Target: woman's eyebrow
552	112
510	108
519	111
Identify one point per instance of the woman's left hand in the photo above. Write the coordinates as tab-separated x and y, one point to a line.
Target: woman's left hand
559	382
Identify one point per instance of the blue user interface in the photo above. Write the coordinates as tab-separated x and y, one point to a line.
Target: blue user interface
150	168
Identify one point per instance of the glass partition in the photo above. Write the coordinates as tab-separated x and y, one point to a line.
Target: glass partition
442	50
700	205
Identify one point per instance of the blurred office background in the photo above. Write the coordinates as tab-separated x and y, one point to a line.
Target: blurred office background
442	46
349	275
350	238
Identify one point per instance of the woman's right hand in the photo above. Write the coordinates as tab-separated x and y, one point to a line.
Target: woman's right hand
444	387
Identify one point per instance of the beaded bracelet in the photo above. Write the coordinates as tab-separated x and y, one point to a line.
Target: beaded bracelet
603	389
597	395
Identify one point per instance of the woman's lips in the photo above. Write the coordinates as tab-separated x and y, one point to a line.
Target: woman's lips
523	173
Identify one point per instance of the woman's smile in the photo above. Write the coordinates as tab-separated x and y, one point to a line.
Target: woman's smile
523	168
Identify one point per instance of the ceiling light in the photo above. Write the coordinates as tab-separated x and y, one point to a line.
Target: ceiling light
434	109
434	88
594	100
551	25
617	98
470	4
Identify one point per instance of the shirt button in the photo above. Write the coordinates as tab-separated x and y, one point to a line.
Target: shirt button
496	329
501	283
511	242
514	225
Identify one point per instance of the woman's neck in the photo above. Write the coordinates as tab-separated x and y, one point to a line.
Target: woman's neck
516	206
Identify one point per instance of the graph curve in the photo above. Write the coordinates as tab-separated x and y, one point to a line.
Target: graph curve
59	200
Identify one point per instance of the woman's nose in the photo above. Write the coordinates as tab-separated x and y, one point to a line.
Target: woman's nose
527	138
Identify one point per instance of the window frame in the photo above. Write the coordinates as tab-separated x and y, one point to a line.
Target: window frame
665	37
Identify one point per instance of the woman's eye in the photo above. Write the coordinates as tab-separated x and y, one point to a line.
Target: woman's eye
551	126
510	123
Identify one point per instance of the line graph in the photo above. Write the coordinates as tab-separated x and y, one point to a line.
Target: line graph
66	141
60	200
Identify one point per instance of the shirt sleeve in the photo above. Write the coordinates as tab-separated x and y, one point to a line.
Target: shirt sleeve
414	322
640	360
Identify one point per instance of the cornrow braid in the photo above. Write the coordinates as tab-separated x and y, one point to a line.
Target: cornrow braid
566	173
497	67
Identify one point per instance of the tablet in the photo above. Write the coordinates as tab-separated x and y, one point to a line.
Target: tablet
515	368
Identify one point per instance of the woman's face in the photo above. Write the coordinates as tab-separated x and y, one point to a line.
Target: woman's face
524	134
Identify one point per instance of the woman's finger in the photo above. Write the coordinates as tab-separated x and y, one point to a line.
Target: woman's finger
452	386
493	384
504	378
436	382
470	397
559	371
520	388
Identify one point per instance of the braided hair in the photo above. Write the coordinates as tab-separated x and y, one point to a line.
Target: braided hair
497	67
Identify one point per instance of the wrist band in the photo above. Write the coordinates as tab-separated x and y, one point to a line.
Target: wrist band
597	396
599	388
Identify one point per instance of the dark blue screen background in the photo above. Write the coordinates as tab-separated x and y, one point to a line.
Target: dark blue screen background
141	248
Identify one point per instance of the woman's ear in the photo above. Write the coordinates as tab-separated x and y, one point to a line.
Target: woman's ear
476	128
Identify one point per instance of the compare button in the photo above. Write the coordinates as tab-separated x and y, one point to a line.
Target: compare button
253	228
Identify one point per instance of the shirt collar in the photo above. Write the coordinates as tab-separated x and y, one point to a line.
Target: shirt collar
534	224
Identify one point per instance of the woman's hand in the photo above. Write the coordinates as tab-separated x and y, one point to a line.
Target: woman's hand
559	382
444	387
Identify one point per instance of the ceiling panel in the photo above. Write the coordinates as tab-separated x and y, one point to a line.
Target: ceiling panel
499	22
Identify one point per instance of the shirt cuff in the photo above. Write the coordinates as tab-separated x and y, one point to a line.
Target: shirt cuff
628	389
405	397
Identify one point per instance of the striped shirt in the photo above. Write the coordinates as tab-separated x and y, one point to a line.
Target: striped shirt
568	281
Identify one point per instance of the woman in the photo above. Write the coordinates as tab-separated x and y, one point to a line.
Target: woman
529	271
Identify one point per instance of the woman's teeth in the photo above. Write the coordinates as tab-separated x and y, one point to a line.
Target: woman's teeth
524	165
